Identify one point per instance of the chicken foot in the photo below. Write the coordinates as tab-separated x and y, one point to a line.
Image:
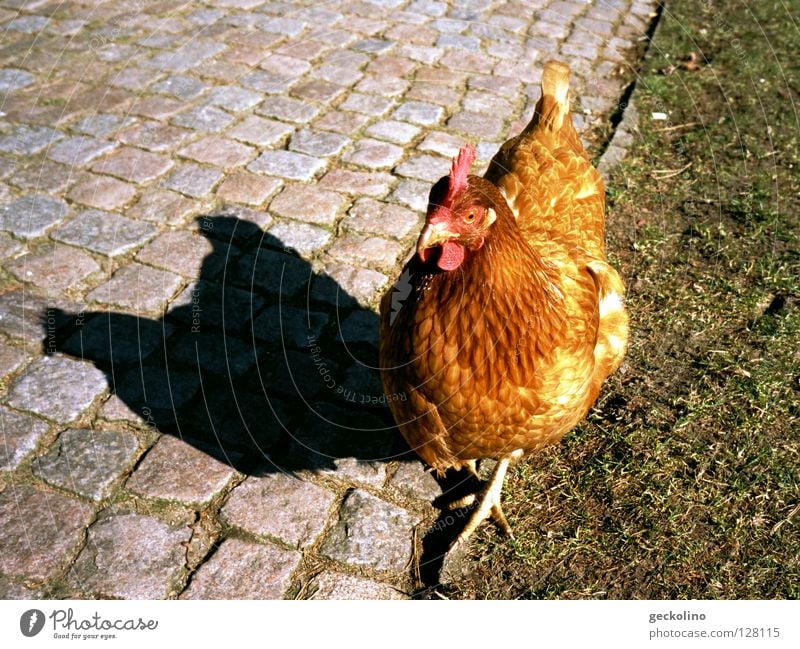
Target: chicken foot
489	505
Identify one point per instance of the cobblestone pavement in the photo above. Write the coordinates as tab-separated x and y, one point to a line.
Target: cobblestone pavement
200	204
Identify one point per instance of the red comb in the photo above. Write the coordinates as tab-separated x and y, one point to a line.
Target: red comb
459	170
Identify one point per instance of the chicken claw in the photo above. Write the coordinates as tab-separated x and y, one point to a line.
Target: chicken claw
489	505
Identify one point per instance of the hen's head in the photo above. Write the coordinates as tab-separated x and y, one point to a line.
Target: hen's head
460	212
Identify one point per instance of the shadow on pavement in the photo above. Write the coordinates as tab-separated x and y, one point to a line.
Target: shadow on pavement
261	363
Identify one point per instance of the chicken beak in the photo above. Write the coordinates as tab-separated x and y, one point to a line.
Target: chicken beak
432	235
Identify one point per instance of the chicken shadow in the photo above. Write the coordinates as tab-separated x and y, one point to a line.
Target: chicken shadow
261	362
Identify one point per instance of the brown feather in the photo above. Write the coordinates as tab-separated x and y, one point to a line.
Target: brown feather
509	350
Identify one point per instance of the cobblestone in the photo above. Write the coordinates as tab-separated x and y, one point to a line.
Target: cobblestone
21	433
241	570
79	150
44	176
419	112
357	182
307	203
368	215
9	247
483	127
181	86
174	470
137	287
51	529
233	98
384	86
335	586
134	78
393	131
185	57
372	251
11	80
193	180
10	589
267	82
442	143
154	136
280	506
259	131
331	442
32	215
422	53
57	388
371	532
218	151
178	251
220	140
414	480
106	338
287	164
104	232
487	103
157	107
413	193
367	104
289	326
425	167
286	108
54	267
10	359
134	165
275	271
252	189
434	93
204	118
161	206
87	462
27	140
129	556
374	154
303	238
318	90
102	192
342	122
318	143
22	315
360	283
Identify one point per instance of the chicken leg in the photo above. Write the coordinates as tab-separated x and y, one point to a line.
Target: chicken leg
489	505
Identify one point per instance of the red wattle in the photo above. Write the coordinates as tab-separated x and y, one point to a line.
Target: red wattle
452	255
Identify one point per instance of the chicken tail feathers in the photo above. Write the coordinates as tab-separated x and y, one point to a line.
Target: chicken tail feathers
553	107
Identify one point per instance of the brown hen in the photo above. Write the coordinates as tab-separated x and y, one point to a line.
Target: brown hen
503	326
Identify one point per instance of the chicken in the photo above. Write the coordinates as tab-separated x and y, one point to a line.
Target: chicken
509	318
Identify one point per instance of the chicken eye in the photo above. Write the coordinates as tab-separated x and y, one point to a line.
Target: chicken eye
470	216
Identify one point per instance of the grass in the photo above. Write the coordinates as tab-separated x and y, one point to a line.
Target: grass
683	482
